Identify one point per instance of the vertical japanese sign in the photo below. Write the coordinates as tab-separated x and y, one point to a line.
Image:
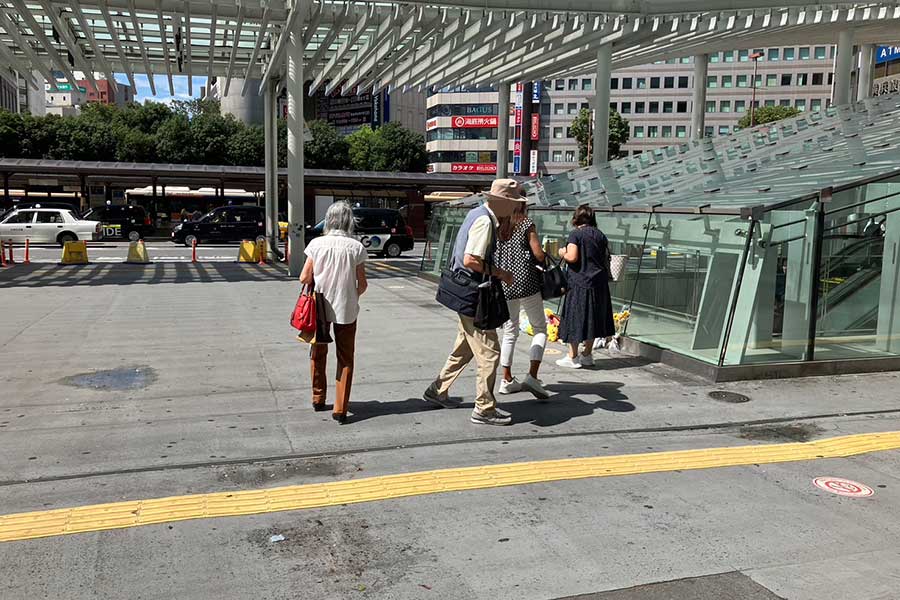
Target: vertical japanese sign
536	93
517	132
533	162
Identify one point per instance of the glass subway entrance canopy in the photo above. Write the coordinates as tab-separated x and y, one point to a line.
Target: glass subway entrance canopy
773	245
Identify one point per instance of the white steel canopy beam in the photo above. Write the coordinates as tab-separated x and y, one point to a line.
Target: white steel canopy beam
38	31
361	25
384	40
88	32
164	40
65	34
143	49
212	41
12	30
263	25
12	61
126	68
234	49
187	48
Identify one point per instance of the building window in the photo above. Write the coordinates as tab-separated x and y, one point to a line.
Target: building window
569	132
570	156
820	53
545	110
804	53
681	106
613	107
759	81
654	107
587	85
714	58
800	105
543	156
743	81
725	106
784	102
788	54
710	106
626	108
686	60
638	131
559	85
728	56
641	83
723	129
667	131
680	131
653	131
726	81
559	109
668	107
708	131
833	50
654	83
639	108
818	78
740	106
786	79
802	78
712	81
743	55
557	156
614	83
770	103
586	106
669	83
683	82
773	54
831	78
573	85
558	133
573	108
626	83
771	80
815	104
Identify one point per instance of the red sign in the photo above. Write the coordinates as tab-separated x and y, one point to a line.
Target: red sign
517	147
518	116
473	168
470	122
431	124
535	126
843	487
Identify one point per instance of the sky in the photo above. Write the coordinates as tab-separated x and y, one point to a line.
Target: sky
180	83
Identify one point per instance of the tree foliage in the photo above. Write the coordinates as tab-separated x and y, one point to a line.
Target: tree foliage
196	132
582	130
768	114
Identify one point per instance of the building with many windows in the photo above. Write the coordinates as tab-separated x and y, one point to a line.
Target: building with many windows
656	99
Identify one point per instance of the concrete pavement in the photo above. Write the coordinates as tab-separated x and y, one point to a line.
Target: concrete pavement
143	382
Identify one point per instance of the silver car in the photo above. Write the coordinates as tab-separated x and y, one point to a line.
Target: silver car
47	226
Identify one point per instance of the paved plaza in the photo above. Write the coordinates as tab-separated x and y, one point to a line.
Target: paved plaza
129	383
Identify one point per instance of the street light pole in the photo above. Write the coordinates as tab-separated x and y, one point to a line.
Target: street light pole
755	56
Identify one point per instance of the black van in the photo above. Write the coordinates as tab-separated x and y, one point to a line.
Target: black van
381	230
223	224
122	221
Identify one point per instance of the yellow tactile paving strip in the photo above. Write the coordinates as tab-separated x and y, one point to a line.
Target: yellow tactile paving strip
119	515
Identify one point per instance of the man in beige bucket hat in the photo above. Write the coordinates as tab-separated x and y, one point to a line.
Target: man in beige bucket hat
473	254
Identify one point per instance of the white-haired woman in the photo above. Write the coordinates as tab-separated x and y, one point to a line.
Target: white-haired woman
335	264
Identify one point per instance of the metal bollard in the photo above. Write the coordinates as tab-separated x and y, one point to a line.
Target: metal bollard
194	251
27	260
3	254
12	259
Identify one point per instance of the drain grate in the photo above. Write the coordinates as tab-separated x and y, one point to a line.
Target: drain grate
729	397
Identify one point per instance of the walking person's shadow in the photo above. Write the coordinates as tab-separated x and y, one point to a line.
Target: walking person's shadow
565	405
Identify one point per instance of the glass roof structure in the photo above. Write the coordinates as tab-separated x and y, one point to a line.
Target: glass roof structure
350	46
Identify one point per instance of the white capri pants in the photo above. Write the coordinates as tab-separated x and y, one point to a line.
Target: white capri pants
534	309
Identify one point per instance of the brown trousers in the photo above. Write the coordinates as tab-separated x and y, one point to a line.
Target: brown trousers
345	341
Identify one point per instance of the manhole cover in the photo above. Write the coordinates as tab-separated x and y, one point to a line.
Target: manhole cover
843	487
730	397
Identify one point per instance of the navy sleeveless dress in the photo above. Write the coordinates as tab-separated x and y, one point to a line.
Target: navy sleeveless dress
587	308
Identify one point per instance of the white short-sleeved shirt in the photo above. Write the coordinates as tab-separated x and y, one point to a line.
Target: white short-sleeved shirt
480	233
335	258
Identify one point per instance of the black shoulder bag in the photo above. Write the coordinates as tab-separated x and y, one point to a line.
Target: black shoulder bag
492	311
553	279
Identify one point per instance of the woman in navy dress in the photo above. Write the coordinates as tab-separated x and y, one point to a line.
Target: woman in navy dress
587	308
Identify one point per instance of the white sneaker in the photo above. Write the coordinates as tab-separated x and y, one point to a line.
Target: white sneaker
536	387
509	387
586	360
568	363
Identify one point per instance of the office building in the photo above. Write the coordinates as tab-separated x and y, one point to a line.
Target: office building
9	90
656	99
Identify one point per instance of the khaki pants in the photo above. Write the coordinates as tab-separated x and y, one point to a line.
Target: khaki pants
484	347
345	341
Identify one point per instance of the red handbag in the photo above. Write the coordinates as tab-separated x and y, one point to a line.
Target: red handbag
304	315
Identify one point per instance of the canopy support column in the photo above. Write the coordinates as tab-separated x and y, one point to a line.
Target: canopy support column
295	95
698	110
601	111
866	70
503	130
843	66
271	178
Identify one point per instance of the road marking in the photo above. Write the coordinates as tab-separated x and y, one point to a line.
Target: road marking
843	487
134	513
